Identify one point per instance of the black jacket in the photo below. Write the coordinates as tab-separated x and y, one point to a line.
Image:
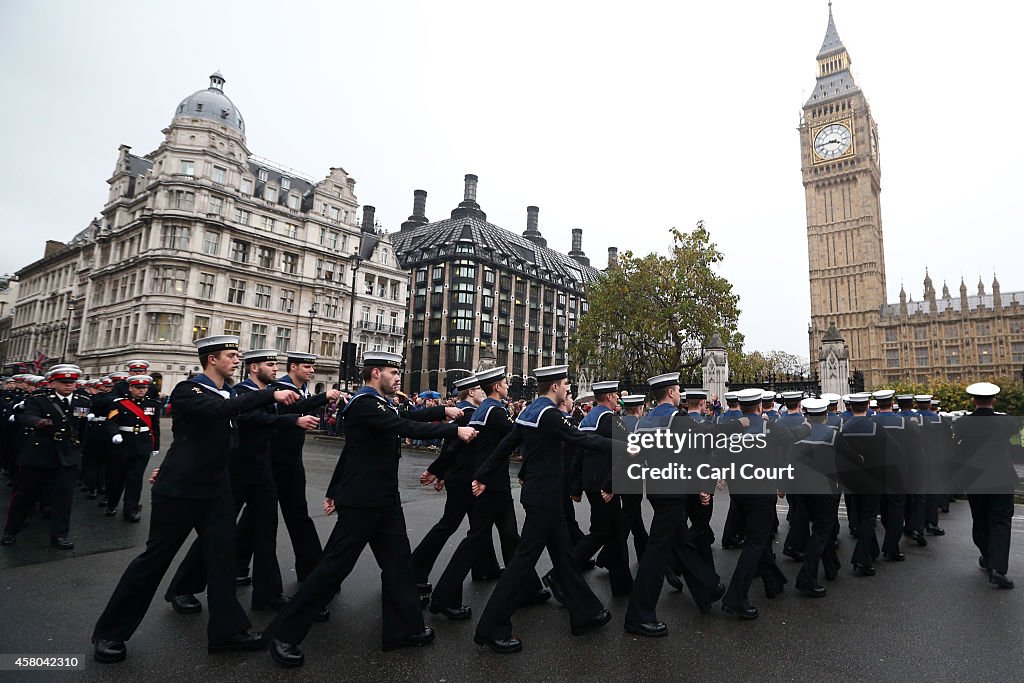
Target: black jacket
492	425
366	475
196	464
981	443
133	443
59	445
286	445
591	469
456	461
249	462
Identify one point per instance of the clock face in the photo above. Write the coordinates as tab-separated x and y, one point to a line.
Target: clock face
832	141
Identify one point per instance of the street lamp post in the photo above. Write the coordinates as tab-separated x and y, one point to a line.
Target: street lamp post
356	260
67	332
312	316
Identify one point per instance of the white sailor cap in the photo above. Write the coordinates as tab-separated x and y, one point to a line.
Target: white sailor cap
883	395
140	381
606	387
551	373
138	364
371	359
63	373
490	376
749	396
983	390
923	398
936	402
904	397
693	394
260	355
791	395
213	344
310	358
832	399
859	398
661	381
633	400
815	406
767	396
467	383
729	396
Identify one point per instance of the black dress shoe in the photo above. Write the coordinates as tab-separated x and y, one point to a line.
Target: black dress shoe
732	543
935	531
861	570
551	582
243	580
814	590
773	590
983	562
324	615
919	538
275	603
91	495
793	554
285	654
595	622
895	557
747	613
133	516
109	651
719	594
504	646
653	629
540	597
102	502
673	580
453	613
426	637
110	512
999	579
186	604
62	543
243	641
8	539
831	576
424	589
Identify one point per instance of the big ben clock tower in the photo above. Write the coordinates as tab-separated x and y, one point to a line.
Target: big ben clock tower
842	181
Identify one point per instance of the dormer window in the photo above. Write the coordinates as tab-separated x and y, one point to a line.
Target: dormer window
199	106
263	175
286	183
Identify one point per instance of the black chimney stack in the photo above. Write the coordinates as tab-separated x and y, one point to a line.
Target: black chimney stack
419	210
468	206
532	230
368	218
577	247
613	257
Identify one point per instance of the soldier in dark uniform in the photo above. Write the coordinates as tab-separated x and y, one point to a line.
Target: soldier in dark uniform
757	502
768	411
832	416
50	456
492	508
364	492
732	532
901	464
252	487
192	491
540	432
592	474
96	451
669	534
133	427
289	471
700	506
135	368
453	470
632	503
798	517
982	451
15	393
937	444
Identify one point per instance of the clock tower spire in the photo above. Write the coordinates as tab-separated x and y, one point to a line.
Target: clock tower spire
842	183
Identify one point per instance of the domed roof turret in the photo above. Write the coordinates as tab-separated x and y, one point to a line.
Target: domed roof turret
212	104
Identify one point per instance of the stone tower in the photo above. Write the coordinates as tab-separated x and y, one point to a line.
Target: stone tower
842	182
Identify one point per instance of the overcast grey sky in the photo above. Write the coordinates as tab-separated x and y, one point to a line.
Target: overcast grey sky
621	119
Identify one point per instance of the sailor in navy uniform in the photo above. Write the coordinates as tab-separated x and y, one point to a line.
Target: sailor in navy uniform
592	474
632	510
668	532
732	532
799	522
540	432
768	411
136	368
902	465
453	470
50	456
916	499
937	440
133	429
701	506
96	451
192	491
492	508
832	416
732	408
364	492
982	449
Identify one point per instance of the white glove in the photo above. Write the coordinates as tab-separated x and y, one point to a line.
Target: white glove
90	417
10	419
153	454
116	439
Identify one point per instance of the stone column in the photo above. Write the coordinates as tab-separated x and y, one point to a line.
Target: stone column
716	366
834	363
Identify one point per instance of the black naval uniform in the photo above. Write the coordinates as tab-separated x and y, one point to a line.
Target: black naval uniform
127	463
97	447
191	491
454	465
365	492
981	442
10	430
492	508
49	459
900	462
540	432
866	485
252	487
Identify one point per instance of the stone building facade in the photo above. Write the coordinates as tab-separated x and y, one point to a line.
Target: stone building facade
938	337
200	237
478	290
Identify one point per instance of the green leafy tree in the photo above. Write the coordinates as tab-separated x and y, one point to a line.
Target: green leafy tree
653	314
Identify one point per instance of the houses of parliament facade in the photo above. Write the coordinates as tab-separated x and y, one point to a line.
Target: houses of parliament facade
955	336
